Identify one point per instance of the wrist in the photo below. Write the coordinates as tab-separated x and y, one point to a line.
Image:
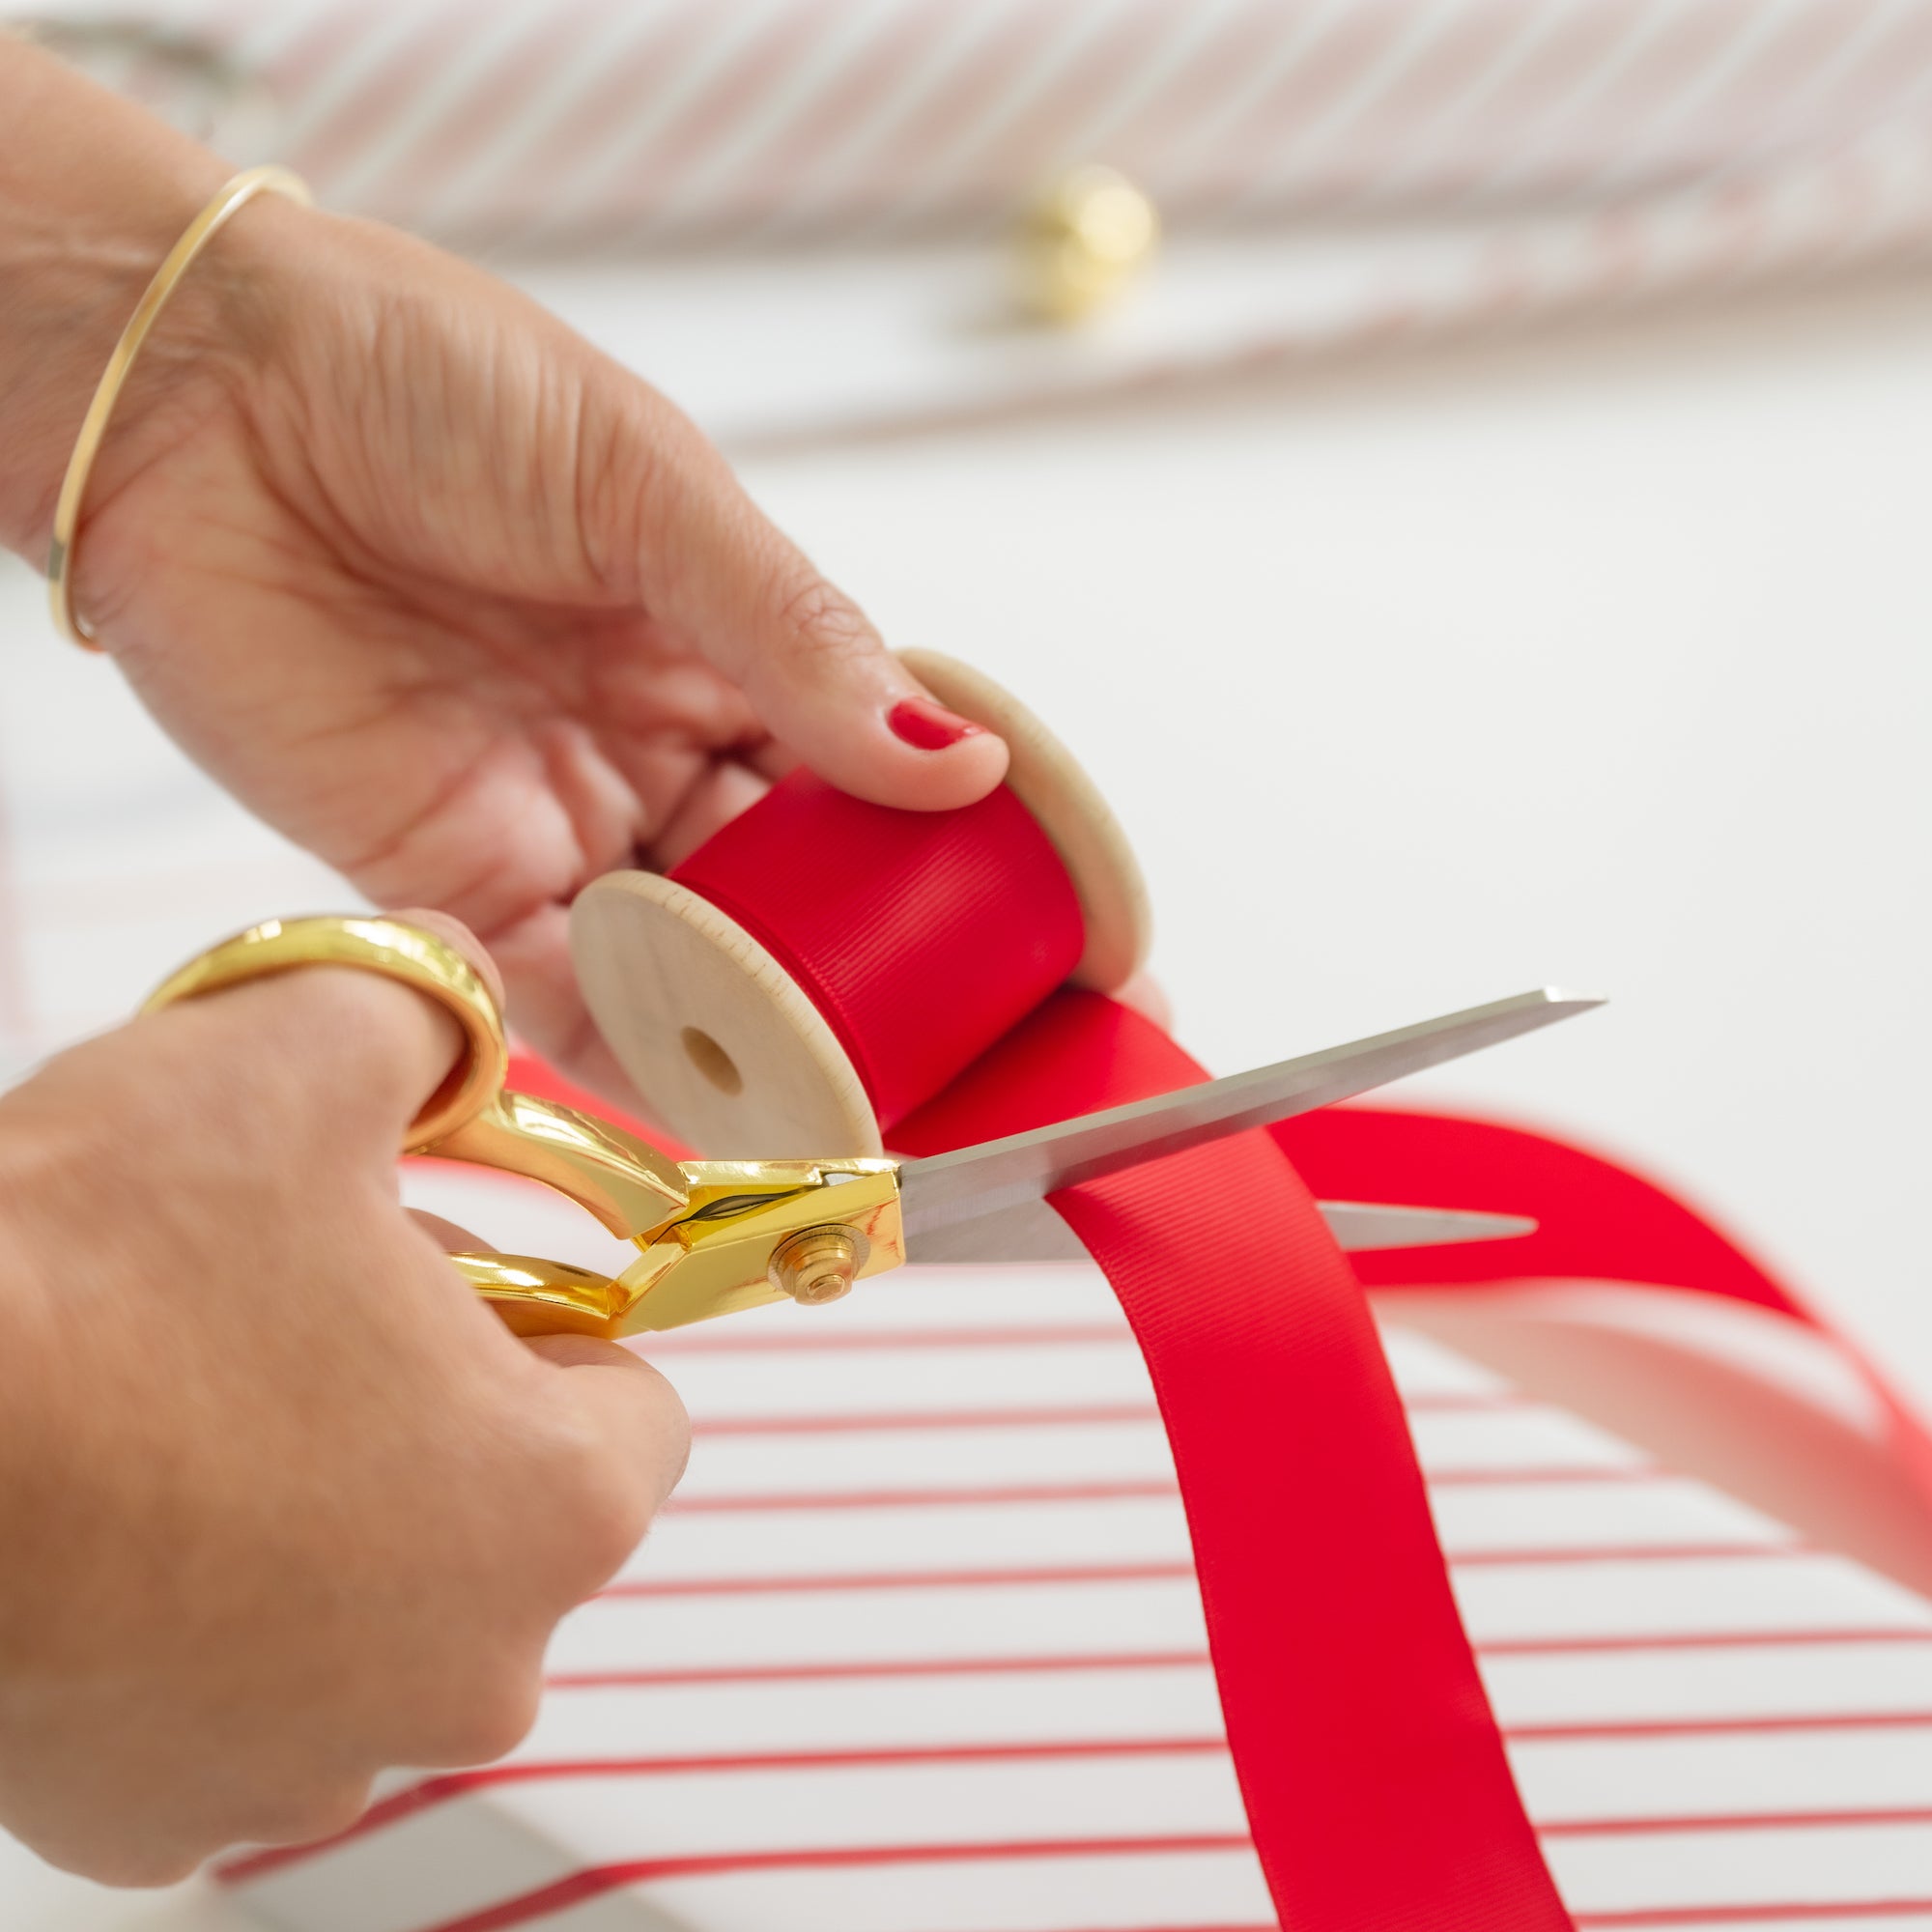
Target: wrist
93	194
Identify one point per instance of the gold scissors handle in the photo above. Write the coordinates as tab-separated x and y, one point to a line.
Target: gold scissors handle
630	1186
715	1236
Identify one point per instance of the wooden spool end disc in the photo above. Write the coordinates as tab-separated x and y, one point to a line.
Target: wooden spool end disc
718	1038
1068	806
727	1052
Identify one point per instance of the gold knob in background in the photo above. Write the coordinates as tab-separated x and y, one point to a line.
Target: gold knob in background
1083	244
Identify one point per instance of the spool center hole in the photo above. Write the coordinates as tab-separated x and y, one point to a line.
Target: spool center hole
712	1061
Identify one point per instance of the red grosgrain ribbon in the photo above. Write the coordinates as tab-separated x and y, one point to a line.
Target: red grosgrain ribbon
921	936
1375	1785
1597	1221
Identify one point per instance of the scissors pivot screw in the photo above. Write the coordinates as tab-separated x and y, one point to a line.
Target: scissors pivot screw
819	1264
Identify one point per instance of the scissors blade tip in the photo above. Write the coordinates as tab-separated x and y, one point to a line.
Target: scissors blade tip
1562	996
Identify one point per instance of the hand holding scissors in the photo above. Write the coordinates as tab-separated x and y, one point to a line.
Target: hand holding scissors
719	1235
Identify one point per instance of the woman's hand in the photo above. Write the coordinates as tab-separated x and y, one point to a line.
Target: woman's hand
283	1503
437	589
472	613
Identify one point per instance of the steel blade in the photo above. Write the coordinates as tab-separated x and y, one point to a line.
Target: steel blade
1033	1231
996	1176
1364	1227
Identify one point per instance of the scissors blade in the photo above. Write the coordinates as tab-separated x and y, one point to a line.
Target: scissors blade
996	1176
1362	1227
1033	1231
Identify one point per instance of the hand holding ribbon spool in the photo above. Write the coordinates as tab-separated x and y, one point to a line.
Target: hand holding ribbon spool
820	971
981	912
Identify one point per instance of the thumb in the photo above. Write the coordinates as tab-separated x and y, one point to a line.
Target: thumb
809	660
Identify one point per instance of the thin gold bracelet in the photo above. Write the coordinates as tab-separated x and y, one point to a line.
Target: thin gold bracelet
233	196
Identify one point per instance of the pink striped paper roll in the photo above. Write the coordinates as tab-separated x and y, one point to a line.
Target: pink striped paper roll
667	121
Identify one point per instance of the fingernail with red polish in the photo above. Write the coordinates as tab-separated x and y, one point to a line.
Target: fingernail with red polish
929	726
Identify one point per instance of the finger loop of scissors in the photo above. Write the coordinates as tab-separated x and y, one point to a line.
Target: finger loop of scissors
421	959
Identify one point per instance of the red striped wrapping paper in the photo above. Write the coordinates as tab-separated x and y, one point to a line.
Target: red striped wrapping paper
917	1649
1494	160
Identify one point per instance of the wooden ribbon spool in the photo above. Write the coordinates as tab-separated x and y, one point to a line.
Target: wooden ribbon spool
728	1052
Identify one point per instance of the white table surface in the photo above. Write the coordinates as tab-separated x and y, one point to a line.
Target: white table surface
1603	659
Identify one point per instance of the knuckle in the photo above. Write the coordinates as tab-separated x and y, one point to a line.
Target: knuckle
127	1864
816	617
606	1506
618	471
346	1019
486	1717
607	1521
346	1054
302	1048
500	1720
445	926
168	1868
306	1815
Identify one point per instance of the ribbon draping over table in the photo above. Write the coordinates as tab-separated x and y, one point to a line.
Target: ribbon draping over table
1855	1474
936	945
1374	1777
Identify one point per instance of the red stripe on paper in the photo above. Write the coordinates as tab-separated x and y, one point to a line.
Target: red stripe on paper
805	1673
1662	1916
868	1421
1502	1476
1168	1660
715	1341
1136	1489
448	1785
923	1498
600	1879
1559	1646
1157	1572
1728	1821
1059	1416
899	1580
1689	1727
1809	1913
1628	1552
596	1880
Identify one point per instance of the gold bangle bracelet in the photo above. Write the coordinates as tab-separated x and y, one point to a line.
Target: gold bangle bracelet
233	196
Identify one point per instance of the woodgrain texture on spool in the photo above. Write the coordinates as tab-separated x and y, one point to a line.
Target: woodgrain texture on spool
718	1038
1067	805
725	1047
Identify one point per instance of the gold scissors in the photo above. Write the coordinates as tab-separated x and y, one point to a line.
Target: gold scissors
718	1236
